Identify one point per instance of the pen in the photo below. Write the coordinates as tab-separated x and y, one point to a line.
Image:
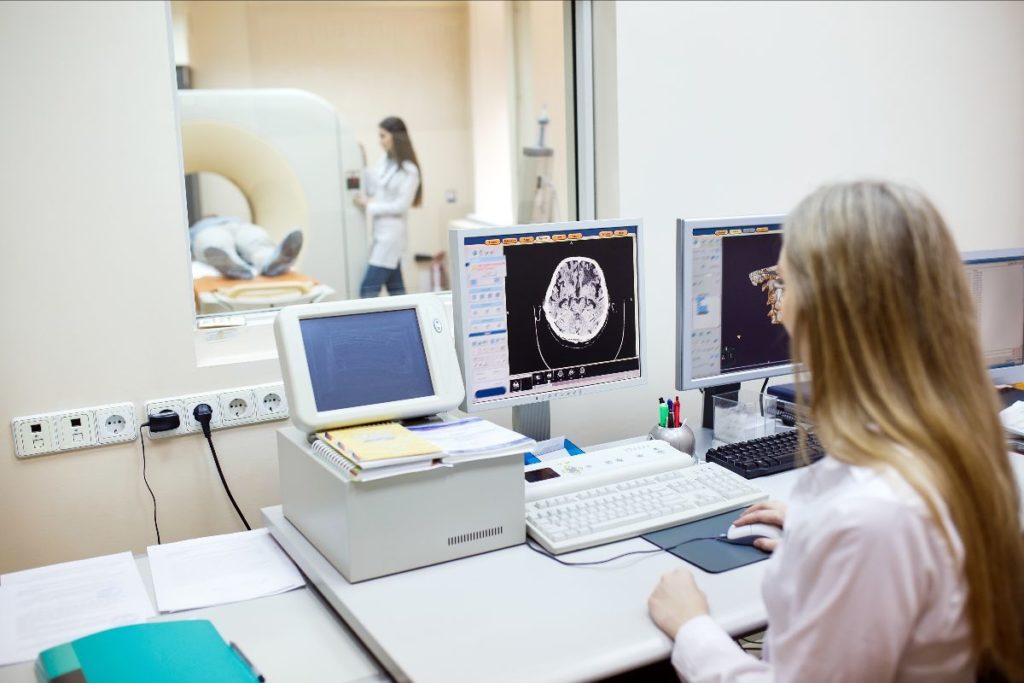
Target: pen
662	413
678	423
671	414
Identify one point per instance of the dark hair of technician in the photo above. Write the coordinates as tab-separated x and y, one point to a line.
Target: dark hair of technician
402	150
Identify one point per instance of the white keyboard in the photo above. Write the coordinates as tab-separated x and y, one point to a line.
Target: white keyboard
610	495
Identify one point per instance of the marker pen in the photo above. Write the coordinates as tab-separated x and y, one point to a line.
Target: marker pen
662	413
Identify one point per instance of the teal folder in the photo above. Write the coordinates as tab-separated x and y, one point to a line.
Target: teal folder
157	652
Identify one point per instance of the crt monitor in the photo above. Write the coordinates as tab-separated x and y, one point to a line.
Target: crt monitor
548	311
996	279
368	360
728	325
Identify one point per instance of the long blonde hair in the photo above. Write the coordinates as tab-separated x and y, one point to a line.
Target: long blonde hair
885	324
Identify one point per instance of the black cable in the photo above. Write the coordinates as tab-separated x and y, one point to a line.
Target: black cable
227	489
142	442
545	553
764	386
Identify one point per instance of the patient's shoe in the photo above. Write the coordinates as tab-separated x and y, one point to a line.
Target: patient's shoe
229	266
283	258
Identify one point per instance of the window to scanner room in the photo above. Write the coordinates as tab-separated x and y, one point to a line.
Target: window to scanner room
328	147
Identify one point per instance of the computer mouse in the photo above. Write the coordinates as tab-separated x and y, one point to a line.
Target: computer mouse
748	533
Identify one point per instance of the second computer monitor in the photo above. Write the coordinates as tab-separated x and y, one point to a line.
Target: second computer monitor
548	311
996	279
728	325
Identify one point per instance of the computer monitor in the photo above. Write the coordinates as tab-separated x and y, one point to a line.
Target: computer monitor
548	311
996	279
728	328
367	360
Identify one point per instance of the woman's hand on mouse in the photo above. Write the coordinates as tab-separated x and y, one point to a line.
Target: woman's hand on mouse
769	512
675	601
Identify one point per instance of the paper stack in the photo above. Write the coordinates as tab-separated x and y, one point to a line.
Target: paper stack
377	451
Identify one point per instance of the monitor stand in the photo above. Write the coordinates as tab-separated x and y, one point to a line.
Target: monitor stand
708	416
533	420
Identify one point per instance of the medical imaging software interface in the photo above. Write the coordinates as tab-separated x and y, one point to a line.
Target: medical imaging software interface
736	299
549	311
998	288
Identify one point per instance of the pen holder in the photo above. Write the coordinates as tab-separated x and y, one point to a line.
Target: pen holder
679	438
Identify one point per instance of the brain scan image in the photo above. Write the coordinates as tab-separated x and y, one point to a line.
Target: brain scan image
768	280
576	304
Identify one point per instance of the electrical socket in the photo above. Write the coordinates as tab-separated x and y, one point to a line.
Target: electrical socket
115	423
34	435
178	406
237	407
231	408
75	430
271	402
212	400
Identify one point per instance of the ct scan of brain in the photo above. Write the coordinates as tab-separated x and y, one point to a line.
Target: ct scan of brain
576	304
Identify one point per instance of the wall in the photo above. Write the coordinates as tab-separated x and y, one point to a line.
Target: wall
99	303
742	108
369	60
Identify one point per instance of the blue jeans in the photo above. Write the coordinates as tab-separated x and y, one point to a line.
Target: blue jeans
377	276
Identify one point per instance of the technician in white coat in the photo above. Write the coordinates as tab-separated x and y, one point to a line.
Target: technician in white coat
392	186
902	557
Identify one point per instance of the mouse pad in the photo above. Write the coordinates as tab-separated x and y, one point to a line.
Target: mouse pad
711	555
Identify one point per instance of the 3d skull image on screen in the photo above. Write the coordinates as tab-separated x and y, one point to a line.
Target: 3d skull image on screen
576	304
768	280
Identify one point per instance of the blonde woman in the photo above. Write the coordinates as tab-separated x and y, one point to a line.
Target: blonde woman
902	554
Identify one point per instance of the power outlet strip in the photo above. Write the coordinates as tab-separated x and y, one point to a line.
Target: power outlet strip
231	408
70	430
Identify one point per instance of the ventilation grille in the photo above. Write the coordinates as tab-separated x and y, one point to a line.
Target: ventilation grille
475	535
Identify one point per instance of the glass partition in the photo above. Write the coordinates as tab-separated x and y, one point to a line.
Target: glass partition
329	146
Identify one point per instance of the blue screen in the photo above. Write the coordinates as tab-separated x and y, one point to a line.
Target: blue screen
365	358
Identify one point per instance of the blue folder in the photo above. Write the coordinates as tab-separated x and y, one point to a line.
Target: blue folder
157	652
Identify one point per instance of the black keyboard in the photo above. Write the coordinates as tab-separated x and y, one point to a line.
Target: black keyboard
767	455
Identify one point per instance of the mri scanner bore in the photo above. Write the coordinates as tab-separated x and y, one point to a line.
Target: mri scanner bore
287	152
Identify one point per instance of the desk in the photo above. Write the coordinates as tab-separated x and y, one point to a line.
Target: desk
514	615
293	636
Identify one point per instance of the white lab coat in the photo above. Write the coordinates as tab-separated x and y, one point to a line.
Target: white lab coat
391	190
862	588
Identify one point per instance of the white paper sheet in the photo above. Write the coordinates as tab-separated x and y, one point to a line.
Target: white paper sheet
48	606
473	438
1013	418
220	569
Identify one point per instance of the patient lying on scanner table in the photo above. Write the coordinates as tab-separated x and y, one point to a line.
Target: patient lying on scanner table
241	250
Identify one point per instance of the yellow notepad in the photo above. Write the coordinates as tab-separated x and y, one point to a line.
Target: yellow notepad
379	444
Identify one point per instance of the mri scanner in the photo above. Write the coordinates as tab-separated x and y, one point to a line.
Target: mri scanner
290	153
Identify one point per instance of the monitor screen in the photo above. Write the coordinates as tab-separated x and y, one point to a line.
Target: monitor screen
548	311
730	327
996	280
365	358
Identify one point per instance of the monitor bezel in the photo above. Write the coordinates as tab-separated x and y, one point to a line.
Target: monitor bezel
1013	374
460	307
684	308
437	348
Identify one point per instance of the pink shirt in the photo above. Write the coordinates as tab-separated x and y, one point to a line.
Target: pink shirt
862	588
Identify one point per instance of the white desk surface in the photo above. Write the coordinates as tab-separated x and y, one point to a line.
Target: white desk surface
293	636
514	615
